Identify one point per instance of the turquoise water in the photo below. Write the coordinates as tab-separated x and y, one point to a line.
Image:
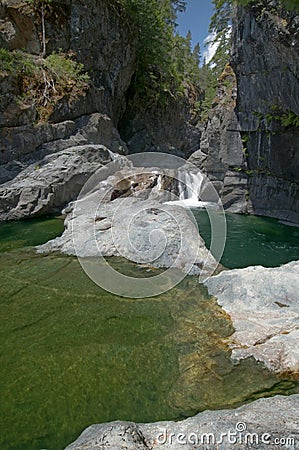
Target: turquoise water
73	354
253	240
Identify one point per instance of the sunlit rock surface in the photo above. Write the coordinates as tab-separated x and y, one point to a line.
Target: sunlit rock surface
264	307
263	424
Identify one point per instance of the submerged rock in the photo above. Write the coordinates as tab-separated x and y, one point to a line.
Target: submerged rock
264	424
264	306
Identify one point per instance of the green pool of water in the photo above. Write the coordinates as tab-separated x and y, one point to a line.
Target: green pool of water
73	354
29	232
253	240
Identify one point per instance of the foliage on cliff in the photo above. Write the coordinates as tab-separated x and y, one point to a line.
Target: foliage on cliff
44	81
164	59
220	28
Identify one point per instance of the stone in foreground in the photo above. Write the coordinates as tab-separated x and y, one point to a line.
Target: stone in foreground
270	423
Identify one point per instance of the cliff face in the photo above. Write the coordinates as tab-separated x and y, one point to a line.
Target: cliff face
100	35
221	154
170	128
266	63
98	32
250	142
248	146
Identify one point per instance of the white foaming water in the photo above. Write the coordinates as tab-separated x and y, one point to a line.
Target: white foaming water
159	183
190	203
113	155
190	185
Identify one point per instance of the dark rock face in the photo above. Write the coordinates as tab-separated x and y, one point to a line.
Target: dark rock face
18	30
266	63
97	31
252	159
225	162
170	128
100	35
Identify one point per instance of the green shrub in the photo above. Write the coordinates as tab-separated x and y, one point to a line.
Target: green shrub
66	70
290	119
165	60
43	82
16	62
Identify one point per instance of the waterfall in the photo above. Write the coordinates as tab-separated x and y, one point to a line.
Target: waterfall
190	185
159	183
189	189
113	155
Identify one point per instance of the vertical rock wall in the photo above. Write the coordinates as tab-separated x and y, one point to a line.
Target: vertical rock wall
266	63
99	34
249	146
221	154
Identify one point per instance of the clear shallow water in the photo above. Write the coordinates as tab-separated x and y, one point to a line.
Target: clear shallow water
72	354
25	233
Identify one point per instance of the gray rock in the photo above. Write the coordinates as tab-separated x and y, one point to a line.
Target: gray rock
97	31
151	128
265	58
234	192
141	230
270	423
274	196
29	144
49	184
221	150
266	65
263	304
198	158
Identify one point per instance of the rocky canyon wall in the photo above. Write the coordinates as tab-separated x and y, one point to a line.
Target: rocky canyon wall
266	63
250	143
100	36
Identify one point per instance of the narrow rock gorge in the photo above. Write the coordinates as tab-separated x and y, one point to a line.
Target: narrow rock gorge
111	121
247	146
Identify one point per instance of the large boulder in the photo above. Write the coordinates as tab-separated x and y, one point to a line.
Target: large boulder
141	230
266	424
48	184
21	146
263	304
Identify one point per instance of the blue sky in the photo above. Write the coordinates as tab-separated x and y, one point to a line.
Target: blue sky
197	19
